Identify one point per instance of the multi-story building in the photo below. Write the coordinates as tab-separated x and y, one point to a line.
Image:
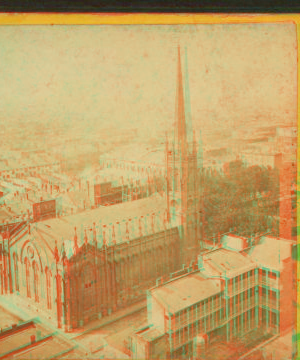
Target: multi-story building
229	293
277	281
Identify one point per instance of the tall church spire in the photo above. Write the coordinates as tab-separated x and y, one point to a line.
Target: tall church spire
182	168
180	111
183	132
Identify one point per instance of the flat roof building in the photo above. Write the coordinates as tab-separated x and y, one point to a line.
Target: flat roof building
229	294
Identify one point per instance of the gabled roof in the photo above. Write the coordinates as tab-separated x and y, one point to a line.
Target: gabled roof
119	222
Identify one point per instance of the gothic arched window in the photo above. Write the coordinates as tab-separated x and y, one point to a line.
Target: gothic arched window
49	287
35	280
27	270
16	271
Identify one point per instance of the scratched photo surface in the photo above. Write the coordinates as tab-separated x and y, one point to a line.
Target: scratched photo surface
148	192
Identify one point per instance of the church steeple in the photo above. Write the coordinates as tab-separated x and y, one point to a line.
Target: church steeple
183	131
181	162
180	131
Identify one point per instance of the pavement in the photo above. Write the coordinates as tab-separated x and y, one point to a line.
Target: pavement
100	339
279	347
7	318
238	348
118	315
24	310
113	338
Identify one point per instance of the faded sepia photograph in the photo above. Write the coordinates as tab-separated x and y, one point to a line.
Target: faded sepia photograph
148	191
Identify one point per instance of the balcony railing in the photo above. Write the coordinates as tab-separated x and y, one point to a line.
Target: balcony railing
180	340
185	320
241	286
269	282
269	302
242	307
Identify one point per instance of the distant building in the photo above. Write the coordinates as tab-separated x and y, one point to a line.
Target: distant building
115	183
27	164
106	194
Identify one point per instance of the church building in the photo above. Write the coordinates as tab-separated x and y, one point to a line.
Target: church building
87	265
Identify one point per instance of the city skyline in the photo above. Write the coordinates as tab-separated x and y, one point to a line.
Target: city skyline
76	76
133	226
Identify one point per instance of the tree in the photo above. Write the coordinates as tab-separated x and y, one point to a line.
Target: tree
230	198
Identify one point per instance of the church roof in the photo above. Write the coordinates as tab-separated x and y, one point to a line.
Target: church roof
119	223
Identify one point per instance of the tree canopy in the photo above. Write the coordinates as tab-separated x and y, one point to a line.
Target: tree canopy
240	197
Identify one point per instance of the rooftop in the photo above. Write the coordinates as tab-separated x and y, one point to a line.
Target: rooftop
183	292
29	340
150	333
113	174
45	350
234	242
223	262
122	219
144	154
19	338
271	252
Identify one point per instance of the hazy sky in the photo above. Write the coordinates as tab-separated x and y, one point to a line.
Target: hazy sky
126	75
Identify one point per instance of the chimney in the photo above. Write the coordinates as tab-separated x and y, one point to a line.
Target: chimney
113	235
85	237
127	231
103	235
153	228
140	226
32	339
200	262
